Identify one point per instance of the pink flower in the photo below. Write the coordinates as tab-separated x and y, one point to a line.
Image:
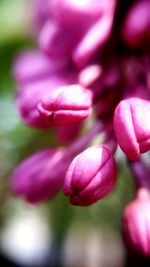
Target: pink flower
78	29
90	176
136	223
71	13
40	176
93	40
66	105
32	65
132	126
31	94
136	29
57	42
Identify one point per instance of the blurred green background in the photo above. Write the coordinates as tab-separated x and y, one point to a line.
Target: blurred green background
73	230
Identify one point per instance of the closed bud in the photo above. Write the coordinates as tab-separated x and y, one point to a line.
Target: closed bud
66	105
93	40
55	41
90	21
71	13
132	126
136	30
30	95
136	224
90	176
40	176
33	65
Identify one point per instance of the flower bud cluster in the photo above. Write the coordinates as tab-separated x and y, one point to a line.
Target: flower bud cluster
92	58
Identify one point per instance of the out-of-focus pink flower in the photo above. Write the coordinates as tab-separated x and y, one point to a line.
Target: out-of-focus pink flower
93	40
92	56
132	126
33	65
40	14
90	176
31	94
77	30
71	13
66	105
40	176
57	42
136	223
136	29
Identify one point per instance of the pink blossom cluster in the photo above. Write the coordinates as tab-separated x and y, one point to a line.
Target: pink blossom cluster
92	60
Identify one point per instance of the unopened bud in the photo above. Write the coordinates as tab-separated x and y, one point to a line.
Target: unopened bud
66	105
136	30
90	176
40	176
132	126
32	65
136	224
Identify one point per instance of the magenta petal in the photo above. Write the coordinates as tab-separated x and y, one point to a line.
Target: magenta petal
136	224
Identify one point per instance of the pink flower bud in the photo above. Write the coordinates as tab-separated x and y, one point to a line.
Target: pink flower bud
55	41
136	224
33	65
40	176
72	13
89	21
91	176
136	30
97	33
93	40
66	105
132	126
30	95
